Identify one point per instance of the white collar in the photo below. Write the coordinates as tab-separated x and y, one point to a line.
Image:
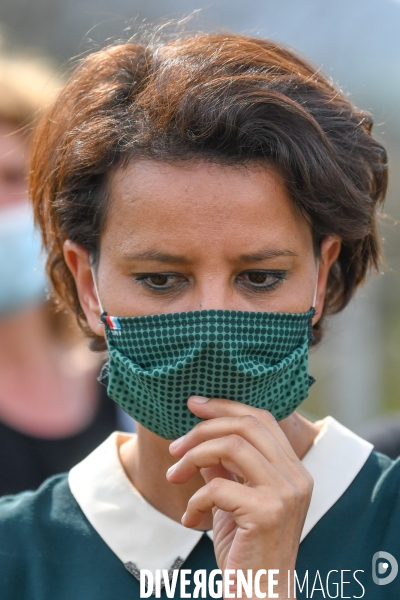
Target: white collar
334	460
144	538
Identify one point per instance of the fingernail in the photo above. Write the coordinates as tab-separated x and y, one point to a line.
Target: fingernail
176	443
199	399
183	517
171	469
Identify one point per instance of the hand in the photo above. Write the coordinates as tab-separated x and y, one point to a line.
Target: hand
257	521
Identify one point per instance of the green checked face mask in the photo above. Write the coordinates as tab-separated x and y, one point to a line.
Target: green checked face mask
157	362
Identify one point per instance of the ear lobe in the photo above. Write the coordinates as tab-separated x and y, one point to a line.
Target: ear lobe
330	249
78	261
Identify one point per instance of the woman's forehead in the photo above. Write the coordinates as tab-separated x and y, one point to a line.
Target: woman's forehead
200	200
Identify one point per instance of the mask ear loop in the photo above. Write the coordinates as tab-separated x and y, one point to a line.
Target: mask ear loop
105	369
316	287
96	289
310	326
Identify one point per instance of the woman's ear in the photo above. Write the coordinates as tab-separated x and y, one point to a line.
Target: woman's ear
329	251
78	261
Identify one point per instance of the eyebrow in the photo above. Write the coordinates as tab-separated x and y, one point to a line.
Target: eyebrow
266	253
155	255
165	257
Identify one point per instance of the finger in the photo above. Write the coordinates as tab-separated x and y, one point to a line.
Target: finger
255	509
228	496
234	453
220	407
247	426
218	493
209	473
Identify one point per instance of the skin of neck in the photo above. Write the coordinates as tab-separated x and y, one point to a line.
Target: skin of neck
146	459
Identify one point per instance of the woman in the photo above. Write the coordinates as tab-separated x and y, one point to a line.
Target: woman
204	203
52	410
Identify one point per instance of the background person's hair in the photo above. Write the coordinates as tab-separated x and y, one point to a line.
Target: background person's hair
27	86
222	98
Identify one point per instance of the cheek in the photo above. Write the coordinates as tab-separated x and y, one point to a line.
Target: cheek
298	295
119	294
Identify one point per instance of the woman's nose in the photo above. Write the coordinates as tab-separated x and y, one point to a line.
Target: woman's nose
216	295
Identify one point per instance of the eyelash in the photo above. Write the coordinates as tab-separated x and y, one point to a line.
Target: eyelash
279	276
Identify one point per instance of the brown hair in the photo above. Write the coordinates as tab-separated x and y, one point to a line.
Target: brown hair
223	98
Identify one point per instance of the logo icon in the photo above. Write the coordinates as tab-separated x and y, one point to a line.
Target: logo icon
381	561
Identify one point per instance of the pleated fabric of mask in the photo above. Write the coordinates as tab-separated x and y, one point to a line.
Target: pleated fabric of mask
157	362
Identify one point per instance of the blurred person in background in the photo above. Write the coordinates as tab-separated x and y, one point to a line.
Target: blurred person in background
52	409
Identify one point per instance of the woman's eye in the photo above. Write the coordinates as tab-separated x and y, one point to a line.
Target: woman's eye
258	278
158	279
161	281
261	279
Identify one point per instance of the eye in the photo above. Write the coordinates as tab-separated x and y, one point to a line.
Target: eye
261	280
14	176
258	278
160	281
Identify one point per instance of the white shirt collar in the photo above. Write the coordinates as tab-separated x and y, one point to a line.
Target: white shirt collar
334	460
144	538
136	532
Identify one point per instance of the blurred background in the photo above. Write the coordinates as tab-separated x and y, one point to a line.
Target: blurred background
357	44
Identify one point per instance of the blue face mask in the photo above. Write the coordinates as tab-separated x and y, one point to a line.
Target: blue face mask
22	273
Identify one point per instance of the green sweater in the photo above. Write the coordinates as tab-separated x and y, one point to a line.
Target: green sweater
50	551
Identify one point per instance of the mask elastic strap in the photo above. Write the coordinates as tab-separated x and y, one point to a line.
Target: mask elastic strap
316	287
96	289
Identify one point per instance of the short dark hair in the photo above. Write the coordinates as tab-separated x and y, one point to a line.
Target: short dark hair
223	98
